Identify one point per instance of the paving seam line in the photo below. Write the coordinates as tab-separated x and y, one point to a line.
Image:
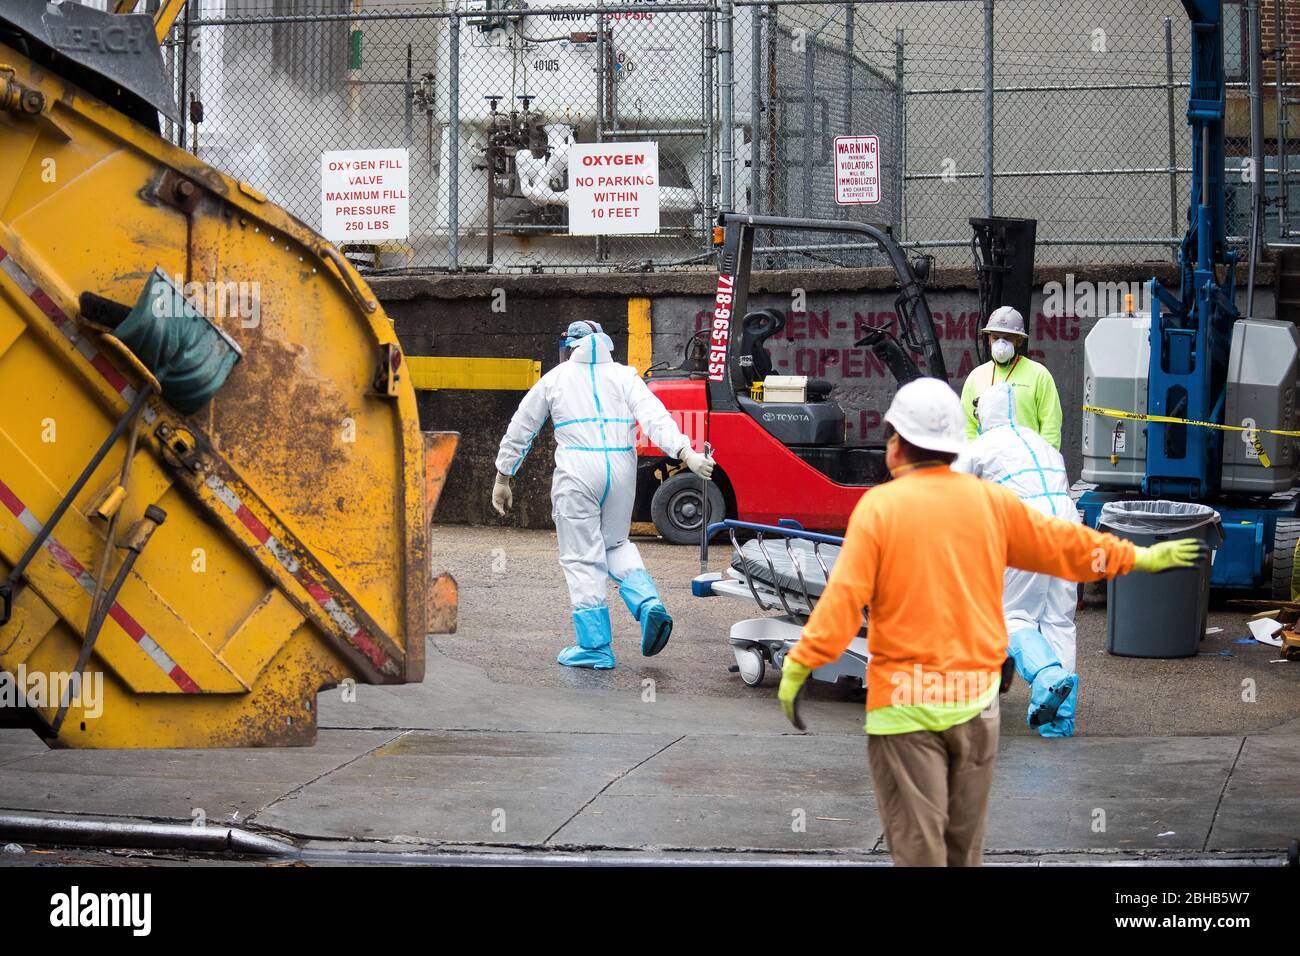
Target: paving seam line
1223	792
248	820
9	763
610	784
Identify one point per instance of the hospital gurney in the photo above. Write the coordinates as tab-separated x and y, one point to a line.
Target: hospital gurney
784	570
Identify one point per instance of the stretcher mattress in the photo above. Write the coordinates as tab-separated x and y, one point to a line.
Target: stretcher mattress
751	562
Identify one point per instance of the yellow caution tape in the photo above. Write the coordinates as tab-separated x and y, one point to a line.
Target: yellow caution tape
1171	420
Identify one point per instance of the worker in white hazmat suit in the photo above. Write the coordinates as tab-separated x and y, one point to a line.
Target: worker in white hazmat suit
595	405
1039	609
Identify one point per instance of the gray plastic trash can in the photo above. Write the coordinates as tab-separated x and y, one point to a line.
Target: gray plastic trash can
1159	615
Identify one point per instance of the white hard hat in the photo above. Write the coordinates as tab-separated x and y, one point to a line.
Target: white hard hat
927	412
1006	320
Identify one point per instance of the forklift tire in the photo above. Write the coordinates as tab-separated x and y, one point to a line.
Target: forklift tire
1286	580
677	508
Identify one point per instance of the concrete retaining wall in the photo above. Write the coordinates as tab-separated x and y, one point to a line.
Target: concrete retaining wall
522	316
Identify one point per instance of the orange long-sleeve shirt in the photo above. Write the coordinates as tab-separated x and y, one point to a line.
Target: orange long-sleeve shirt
926	554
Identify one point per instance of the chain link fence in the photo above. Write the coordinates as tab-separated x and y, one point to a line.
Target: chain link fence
1070	114
1074	117
817	72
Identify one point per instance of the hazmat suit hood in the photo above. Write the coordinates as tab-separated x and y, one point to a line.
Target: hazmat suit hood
594	349
996	407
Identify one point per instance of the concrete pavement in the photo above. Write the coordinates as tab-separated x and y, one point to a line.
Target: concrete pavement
528	768
501	750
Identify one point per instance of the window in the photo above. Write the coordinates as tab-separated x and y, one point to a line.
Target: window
1236	41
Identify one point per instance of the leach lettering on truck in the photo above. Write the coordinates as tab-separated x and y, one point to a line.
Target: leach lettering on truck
721	332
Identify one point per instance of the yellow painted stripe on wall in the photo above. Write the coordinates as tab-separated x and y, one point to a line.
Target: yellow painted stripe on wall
432	372
639	348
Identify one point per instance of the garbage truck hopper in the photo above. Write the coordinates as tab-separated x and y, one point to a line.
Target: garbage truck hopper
215	495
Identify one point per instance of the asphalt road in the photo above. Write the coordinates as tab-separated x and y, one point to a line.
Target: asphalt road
514	619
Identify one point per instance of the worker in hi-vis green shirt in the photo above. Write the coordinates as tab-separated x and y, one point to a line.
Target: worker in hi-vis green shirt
1037	404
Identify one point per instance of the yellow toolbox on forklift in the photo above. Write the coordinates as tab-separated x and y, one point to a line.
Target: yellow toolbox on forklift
221	509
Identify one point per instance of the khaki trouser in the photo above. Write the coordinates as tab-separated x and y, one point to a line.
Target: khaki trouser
932	790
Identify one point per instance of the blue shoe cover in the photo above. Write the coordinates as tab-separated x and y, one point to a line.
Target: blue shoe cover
1051	690
1062	725
1051	686
591	624
642	599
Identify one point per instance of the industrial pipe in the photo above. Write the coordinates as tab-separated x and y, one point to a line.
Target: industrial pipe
1256	148
535	175
71	831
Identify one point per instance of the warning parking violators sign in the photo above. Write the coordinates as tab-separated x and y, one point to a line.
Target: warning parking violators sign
857	170
613	189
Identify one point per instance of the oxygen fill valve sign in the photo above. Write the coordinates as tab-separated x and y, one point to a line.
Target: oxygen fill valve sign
363	195
613	189
857	170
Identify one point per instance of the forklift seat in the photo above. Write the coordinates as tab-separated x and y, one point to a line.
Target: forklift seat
758	327
756	360
814	422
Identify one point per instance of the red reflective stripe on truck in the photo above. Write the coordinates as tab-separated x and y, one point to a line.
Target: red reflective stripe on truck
43	301
357	634
46	305
129	625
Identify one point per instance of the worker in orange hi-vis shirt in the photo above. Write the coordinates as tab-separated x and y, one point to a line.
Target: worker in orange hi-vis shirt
926	554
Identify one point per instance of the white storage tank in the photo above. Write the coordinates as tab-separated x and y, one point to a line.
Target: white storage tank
1263	362
653	90
1116	357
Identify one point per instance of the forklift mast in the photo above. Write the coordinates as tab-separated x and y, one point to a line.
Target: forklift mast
1191	331
915	322
1003	252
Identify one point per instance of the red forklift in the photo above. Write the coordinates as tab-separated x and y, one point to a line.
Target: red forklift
780	454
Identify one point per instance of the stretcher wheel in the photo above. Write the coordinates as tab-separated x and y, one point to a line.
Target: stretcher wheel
752	666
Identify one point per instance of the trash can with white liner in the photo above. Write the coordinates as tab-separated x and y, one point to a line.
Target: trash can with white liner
1159	615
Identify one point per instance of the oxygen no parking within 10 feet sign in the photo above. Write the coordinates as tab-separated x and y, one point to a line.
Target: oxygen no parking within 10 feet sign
613	189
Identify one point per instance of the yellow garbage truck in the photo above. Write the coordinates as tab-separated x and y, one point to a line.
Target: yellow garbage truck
215	494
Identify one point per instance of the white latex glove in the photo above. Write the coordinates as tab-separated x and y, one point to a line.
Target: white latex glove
697	463
502	497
